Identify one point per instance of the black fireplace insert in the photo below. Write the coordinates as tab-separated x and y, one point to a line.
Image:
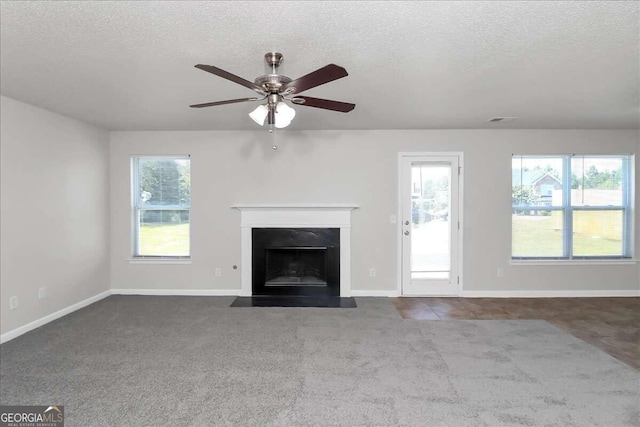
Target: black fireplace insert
296	261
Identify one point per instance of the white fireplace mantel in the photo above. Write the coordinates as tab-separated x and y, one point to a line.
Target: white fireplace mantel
336	215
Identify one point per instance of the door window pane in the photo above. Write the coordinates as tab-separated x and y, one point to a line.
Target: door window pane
430	222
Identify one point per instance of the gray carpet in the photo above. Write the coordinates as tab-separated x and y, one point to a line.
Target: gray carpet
156	361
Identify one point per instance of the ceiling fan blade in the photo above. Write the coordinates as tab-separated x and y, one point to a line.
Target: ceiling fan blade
227	75
319	77
228	101
327	104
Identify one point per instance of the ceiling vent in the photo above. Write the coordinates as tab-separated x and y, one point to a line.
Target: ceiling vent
501	119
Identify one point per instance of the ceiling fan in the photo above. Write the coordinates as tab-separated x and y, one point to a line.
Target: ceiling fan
276	89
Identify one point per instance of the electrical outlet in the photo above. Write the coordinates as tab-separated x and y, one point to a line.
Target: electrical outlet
501	272
372	272
42	293
218	272
13	303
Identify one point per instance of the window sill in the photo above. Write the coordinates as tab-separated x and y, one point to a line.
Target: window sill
573	261
159	260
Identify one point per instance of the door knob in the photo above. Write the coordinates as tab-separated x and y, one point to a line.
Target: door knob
406	223
406	233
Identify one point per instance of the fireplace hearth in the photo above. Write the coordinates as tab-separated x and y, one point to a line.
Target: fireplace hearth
296	261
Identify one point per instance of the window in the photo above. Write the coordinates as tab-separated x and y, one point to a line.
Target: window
162	203
546	190
571	207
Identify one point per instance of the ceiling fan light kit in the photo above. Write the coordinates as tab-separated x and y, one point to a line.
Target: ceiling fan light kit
284	115
276	89
259	115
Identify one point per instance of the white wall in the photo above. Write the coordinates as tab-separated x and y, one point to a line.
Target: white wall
350	166
55	212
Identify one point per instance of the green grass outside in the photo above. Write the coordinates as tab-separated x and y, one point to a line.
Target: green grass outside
164	239
536	236
532	236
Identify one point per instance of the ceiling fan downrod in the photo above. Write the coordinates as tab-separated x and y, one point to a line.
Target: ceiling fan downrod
273	59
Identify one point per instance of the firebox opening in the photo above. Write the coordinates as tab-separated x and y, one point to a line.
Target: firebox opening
296	266
295	261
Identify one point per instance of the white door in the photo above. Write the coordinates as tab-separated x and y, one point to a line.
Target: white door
430	206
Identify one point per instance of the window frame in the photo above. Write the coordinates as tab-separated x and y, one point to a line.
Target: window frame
137	209
568	209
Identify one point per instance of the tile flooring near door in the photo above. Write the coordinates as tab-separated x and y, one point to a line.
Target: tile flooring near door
611	324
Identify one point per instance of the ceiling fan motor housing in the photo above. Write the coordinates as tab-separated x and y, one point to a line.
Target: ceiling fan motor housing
272	82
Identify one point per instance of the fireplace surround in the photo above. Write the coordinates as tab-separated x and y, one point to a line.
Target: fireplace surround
322	217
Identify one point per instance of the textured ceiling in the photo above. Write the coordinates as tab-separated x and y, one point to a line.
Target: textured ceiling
412	65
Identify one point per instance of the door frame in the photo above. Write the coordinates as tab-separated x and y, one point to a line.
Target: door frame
408	154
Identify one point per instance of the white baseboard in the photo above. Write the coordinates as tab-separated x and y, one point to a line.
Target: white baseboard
178	292
7	336
359	293
551	294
